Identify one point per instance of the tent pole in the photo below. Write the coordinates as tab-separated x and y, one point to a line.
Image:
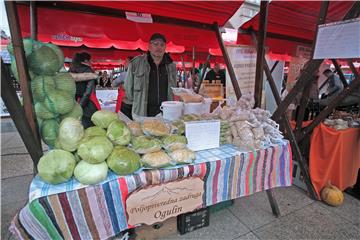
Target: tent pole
22	68
260	53
12	103
33	20
203	73
340	73
303	165
330	107
305	94
313	65
229	66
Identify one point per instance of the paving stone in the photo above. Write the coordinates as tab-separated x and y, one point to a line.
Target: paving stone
255	211
248	236
8	211
15	189
350	209
311	222
223	225
16	165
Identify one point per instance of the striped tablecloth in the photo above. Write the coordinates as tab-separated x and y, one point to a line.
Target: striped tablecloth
75	211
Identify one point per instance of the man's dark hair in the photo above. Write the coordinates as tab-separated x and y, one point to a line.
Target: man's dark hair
78	58
327	71
157	36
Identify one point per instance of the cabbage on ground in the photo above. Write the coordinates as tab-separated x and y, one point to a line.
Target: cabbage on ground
76	112
95	131
56	166
123	161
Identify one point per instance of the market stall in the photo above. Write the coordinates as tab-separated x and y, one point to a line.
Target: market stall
288	28
60	205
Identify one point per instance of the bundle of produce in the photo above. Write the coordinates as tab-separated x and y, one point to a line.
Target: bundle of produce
155	127
146	144
135	128
157	159
245	127
174	142
53	92
337	124
182	156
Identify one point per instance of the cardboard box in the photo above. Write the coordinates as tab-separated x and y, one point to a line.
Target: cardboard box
158	230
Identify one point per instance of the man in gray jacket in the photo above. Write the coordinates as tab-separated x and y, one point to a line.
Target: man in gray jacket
150	78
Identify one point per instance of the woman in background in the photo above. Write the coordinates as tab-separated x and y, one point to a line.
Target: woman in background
85	89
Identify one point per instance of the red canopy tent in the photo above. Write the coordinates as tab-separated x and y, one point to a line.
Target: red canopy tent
293	23
59	24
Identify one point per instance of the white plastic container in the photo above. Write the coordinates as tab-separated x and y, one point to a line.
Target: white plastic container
207	105
172	110
193	108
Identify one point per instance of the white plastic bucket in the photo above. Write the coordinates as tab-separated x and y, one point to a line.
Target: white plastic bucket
207	105
172	110
193	108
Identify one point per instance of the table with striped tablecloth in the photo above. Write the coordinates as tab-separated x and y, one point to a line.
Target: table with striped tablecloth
75	211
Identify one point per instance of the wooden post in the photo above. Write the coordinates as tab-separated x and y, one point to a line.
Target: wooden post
33	20
340	73
330	107
229	66
291	136
260	53
13	105
22	68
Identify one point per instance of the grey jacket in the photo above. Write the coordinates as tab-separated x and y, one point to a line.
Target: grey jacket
137	84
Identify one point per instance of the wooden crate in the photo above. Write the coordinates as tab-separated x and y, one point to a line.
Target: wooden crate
159	230
214	90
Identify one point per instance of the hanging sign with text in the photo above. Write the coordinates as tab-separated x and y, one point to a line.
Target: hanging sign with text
157	203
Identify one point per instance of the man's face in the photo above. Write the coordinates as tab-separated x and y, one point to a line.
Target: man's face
157	47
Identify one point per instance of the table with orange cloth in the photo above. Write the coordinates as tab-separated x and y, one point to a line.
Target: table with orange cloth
334	157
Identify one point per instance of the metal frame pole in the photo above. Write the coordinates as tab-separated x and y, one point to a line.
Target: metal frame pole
229	66
260	52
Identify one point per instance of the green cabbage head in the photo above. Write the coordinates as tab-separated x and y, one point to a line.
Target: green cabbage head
119	133
70	133
56	166
103	118
123	161
95	149
88	173
95	131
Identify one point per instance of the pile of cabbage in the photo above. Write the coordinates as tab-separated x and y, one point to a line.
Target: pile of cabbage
53	92
88	154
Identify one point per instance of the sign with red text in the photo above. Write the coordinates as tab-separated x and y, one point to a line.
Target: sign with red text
157	203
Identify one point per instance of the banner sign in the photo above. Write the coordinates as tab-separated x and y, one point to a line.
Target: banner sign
159	202
338	40
243	59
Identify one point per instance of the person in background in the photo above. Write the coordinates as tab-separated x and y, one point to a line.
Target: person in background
335	85
121	104
85	89
100	82
150	78
216	74
193	79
